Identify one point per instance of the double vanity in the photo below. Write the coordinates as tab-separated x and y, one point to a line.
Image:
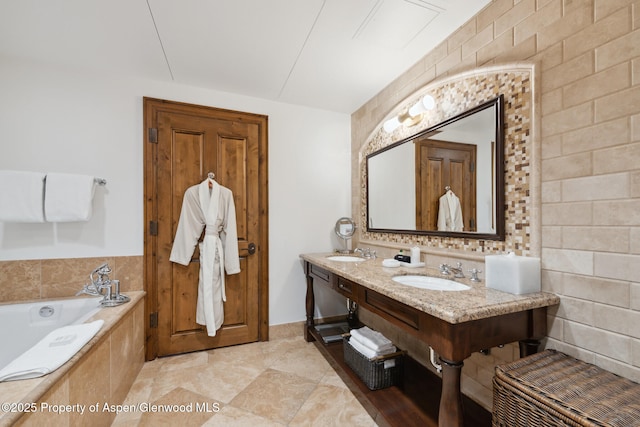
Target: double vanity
455	317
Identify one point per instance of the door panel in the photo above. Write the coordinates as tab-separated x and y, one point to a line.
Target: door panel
192	141
441	164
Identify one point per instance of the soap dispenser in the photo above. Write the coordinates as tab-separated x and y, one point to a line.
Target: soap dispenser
402	257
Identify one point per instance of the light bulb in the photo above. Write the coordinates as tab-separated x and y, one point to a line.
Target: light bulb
416	109
428	102
391	125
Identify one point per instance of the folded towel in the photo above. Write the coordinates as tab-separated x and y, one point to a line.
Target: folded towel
21	196
367	352
51	352
371	339
68	197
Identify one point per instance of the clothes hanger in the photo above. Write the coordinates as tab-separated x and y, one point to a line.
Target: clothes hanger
210	176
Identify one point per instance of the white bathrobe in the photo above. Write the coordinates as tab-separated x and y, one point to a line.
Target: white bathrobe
212	209
450	213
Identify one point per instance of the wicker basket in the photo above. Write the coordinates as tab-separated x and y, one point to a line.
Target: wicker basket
553	389
381	372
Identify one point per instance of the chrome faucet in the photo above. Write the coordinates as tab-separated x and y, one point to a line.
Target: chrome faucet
104	283
365	253
446	269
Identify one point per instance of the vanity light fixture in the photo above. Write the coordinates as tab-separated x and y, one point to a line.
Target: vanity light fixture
391	124
426	103
410	116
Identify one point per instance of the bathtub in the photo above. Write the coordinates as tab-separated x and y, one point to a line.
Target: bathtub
25	324
102	371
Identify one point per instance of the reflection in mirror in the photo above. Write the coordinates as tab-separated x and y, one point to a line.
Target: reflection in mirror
447	180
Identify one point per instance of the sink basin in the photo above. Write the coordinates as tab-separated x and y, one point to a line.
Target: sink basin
344	258
431	283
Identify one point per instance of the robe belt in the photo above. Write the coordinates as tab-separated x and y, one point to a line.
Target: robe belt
212	233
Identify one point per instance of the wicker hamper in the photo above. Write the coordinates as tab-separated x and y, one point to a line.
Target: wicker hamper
553	389
381	372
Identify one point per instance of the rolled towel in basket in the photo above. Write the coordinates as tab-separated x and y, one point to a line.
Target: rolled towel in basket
373	340
367	352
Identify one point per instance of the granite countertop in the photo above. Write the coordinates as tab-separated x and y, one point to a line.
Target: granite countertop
479	302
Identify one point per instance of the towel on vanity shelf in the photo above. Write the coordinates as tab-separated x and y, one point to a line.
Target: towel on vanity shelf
51	352
21	196
371	339
367	352
68	197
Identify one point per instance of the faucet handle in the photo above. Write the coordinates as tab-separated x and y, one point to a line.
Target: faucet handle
444	269
459	272
474	275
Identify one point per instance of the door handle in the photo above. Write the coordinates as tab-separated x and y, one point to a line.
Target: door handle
252	248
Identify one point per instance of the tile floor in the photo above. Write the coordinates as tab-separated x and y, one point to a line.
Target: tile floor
282	382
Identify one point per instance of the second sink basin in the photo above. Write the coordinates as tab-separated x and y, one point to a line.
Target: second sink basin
431	283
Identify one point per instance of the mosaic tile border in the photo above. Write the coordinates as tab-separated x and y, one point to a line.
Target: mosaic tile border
453	96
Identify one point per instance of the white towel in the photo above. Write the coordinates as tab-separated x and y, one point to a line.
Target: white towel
21	196
367	352
68	197
371	339
51	352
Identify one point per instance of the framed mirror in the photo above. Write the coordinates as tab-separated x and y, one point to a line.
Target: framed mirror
447	180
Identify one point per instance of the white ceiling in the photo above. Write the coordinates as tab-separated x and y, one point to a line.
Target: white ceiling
328	54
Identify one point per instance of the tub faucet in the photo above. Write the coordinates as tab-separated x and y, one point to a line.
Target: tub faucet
103	282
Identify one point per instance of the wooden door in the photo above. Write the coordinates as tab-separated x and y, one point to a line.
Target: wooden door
185	143
440	164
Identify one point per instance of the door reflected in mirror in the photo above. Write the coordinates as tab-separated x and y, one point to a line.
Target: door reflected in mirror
447	180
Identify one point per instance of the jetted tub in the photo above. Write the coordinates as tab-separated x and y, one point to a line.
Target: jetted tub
102	371
25	324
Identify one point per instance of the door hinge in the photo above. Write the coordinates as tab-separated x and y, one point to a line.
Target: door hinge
153	228
472	224
472	167
153	320
153	135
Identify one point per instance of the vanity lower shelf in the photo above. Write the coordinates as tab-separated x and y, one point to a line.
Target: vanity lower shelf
413	403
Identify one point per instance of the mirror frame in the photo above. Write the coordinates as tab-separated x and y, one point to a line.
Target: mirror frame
498	104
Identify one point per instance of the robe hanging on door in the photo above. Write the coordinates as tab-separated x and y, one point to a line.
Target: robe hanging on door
212	209
450	213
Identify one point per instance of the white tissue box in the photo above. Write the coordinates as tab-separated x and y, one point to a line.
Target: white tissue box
513	274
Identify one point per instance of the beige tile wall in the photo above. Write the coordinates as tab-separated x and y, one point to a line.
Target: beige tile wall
56	278
588	56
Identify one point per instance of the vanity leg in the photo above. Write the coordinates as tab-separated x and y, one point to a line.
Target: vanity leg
310	306
529	347
450	413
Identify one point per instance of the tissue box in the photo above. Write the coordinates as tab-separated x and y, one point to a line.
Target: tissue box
513	274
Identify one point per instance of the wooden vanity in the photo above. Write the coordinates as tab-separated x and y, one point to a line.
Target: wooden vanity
455	324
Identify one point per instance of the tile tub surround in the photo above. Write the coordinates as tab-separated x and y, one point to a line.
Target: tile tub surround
24	280
479	302
102	371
